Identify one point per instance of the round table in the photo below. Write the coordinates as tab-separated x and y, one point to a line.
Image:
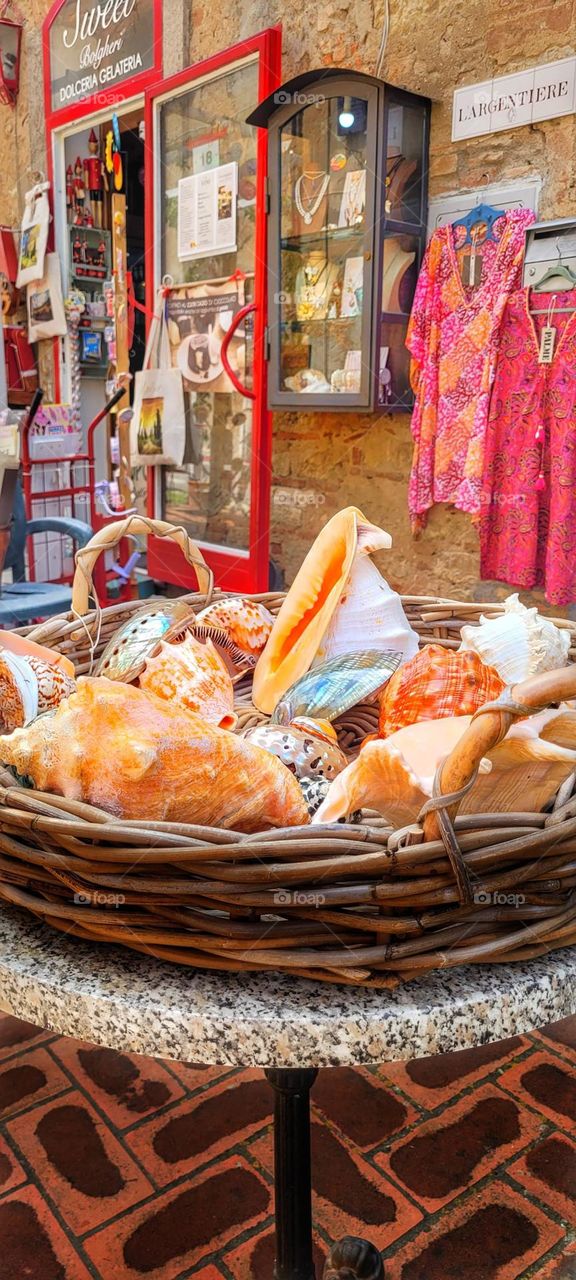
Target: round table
290	1027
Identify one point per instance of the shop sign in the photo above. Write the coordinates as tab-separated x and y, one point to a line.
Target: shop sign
95	45
525	97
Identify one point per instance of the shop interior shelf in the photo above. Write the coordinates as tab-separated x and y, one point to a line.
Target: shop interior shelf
328	235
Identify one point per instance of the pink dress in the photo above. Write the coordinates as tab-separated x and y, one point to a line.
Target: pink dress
528	519
452	337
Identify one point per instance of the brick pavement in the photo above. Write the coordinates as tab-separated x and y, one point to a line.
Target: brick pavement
115	1167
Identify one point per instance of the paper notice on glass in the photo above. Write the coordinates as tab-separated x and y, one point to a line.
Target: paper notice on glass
207	212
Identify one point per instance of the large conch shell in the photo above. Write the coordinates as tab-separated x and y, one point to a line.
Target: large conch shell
434	684
518	644
193	676
338	602
135	756
247	624
29	686
395	776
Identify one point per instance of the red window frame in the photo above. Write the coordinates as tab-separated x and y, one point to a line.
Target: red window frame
232	571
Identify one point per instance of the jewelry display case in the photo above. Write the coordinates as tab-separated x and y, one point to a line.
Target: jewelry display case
347	204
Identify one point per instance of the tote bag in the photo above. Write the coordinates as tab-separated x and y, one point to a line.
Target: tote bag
46	316
33	235
158	428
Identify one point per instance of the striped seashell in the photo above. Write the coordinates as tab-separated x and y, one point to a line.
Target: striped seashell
246	623
29	686
435	684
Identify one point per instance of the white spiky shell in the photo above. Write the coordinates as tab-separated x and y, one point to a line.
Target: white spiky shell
520	643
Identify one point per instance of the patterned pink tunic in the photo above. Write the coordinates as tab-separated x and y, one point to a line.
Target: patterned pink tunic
452	336
528	525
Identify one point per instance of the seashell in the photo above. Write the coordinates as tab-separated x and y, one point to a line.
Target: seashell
194	676
518	644
127	653
307	747
329	690
529	765
29	687
369	611
314	791
246	623
327	596
434	684
395	776
23	647
134	755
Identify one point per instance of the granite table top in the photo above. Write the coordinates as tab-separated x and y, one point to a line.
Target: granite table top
126	1001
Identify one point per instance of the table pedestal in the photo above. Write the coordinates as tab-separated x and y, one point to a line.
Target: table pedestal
293	1190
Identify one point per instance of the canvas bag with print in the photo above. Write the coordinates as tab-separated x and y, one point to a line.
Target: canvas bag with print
158	429
33	235
46	316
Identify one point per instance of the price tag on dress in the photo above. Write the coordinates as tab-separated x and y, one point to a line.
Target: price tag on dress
547	344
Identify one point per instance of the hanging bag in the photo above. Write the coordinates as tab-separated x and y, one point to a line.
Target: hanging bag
34	235
46	315
158	429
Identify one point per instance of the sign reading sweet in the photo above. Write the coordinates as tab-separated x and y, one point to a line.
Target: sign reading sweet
525	97
94	47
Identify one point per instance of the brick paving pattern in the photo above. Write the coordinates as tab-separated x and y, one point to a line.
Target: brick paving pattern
115	1167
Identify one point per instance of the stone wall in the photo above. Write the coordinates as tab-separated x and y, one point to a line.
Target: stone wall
322	462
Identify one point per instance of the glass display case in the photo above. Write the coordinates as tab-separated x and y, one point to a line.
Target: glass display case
346	232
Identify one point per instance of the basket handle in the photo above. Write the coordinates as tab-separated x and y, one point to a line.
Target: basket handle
112	534
489	726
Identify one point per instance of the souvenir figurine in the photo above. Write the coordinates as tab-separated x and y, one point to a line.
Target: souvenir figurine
70	192
96	180
79	192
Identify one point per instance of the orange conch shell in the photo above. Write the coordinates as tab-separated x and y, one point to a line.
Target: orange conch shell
135	756
246	622
395	775
336	572
193	676
436	683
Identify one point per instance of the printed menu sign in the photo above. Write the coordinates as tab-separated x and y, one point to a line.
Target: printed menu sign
95	46
207	212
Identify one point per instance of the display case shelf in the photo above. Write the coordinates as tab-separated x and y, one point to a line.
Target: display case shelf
346	233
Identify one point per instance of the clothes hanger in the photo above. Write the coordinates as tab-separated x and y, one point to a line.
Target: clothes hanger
560	271
481	213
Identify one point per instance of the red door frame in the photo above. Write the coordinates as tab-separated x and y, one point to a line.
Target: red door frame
165	561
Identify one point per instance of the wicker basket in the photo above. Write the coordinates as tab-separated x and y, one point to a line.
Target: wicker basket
343	903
